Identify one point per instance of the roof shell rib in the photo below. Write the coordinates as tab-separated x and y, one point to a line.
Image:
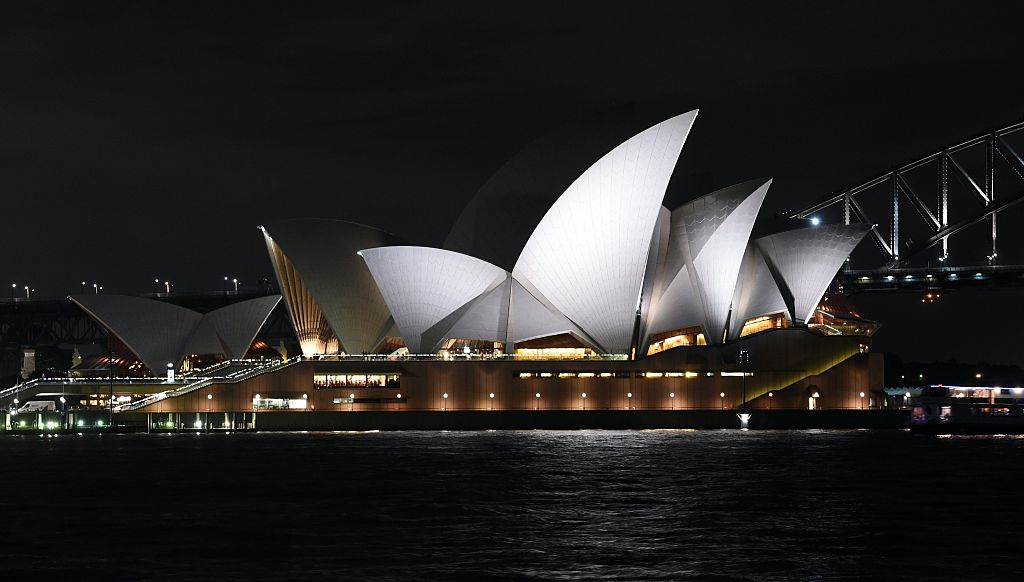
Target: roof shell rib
588	254
804	261
423	286
697	277
161	333
329	291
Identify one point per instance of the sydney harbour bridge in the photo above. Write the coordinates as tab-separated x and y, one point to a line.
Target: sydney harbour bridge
938	220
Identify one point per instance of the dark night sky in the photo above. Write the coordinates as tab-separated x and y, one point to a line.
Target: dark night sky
141	142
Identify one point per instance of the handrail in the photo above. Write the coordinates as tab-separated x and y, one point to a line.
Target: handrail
205	381
453	358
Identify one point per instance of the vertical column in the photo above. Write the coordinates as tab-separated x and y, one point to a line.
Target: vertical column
990	186
944	200
894	229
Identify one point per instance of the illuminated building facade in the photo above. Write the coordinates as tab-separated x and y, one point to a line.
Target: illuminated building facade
614	302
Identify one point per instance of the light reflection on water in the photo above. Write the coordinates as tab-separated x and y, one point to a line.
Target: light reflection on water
510	505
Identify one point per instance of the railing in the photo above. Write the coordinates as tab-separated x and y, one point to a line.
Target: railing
260	367
476	357
121	381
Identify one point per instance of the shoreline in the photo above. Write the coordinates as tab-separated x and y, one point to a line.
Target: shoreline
476	420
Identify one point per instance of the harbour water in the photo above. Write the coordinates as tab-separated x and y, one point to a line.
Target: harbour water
513	505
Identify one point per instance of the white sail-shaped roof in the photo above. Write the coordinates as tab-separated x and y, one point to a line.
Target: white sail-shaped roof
717	228
676	307
532	318
697	278
162	333
756	292
422	285
804	261
483	318
237	324
155	331
328	290
588	254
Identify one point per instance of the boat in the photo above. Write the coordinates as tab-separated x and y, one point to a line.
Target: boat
968	410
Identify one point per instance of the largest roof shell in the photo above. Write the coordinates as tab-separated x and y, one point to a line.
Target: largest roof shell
589	252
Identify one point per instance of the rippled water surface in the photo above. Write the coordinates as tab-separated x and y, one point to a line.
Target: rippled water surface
531	505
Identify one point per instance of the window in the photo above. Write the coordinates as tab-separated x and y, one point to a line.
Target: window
364	380
279	403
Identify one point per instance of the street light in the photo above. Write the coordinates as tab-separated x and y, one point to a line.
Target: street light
491	396
209	397
28	292
14	287
862	400
351	401
770	396
672	398
167	287
584	400
629	400
95	289
235	281
537	395
722	396
444	404
744	361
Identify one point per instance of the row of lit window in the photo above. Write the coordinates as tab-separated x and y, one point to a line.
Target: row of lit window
360	380
563	375
574	374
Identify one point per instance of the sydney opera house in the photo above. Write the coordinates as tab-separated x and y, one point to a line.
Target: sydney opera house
600	298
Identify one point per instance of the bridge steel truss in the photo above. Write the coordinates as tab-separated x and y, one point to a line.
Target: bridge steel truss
895	271
984	188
